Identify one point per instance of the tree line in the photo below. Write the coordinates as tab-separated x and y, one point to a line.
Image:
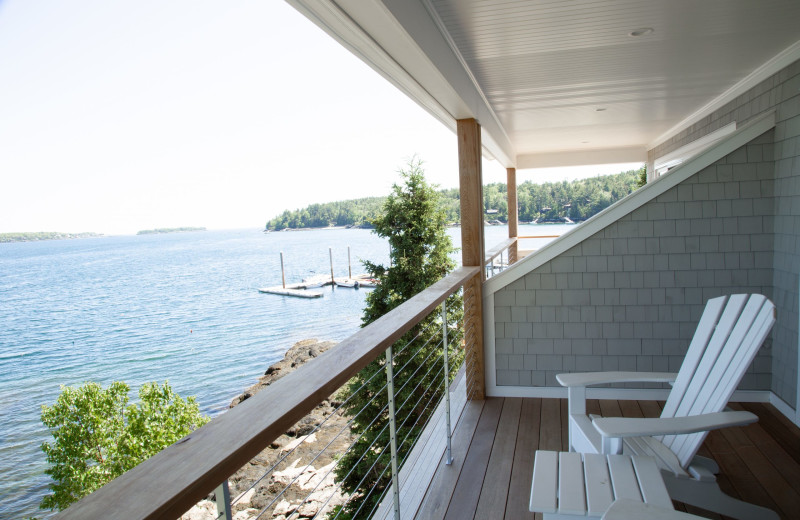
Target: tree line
552	201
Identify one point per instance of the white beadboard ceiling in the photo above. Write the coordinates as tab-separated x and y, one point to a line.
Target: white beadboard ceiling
562	81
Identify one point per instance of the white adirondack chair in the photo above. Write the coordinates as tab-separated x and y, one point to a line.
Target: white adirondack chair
730	332
626	509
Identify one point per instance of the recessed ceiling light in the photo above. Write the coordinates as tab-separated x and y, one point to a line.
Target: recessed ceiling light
644	31
584	142
600	109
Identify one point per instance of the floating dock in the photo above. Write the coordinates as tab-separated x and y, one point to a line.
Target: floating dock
296	290
301	290
304	288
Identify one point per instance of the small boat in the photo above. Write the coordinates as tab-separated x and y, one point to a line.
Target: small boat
368	282
349	282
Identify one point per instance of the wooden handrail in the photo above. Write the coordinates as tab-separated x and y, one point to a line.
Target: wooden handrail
539	236
499	248
172	481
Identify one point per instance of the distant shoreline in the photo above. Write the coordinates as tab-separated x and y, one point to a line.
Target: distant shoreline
36	236
326	228
159	231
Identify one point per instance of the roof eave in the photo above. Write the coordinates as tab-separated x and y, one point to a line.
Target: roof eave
404	43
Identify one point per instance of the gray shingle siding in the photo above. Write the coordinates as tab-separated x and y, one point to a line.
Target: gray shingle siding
629	297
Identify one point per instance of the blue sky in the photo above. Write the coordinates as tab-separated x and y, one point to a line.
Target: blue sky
128	115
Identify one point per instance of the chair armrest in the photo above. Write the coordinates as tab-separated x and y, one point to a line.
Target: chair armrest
599	378
617	427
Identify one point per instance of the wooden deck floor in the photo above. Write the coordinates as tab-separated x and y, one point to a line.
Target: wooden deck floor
495	440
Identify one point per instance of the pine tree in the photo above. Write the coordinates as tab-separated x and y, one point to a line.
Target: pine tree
414	223
641	177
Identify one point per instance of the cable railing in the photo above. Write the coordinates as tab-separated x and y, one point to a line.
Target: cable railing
381	427
500	257
410	354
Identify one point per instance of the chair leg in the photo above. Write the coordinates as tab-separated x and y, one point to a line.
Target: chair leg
708	496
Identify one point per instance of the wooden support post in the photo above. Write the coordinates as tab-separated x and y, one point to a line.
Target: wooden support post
472	251
330	253
513	212
283	276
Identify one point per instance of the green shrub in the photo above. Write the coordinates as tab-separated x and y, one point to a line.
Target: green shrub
98	436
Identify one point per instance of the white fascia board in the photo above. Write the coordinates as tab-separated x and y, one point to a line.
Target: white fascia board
782	60
635	200
422	26
401	42
681	154
345	30
626	154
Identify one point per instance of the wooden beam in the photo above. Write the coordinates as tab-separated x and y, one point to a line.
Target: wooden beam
513	212
470	179
472	250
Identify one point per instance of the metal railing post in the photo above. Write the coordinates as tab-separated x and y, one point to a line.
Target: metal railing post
449	457
393	433
223	497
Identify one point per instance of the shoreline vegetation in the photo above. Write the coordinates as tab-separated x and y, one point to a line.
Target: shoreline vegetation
35	236
549	202
158	231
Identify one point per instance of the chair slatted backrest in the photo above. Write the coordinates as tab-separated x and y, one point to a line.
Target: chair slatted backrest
728	336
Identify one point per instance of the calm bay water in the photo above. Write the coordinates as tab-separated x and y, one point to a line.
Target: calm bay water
179	307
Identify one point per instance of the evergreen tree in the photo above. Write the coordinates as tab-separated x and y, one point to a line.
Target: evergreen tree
641	178
415	225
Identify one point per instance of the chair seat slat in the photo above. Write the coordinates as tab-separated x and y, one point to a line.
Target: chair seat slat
599	492
571	491
544	489
623	478
650	482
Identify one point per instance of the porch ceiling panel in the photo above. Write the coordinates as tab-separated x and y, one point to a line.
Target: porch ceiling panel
567	75
550	78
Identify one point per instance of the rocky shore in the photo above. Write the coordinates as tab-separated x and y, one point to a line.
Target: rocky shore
295	455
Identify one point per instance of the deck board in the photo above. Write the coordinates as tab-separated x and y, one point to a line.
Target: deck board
491	475
468	488
527	442
437	499
550	426
492	501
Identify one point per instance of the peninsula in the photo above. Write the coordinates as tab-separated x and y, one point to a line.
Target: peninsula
169	230
564	201
33	236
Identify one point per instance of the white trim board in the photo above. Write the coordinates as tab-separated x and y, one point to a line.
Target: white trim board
797	375
635	200
553	159
676	157
489	351
637	394
784	408
622	394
